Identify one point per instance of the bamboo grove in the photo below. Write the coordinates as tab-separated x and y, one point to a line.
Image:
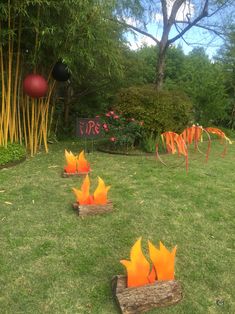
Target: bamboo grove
23	119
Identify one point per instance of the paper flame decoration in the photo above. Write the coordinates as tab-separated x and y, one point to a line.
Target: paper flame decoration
76	163
179	142
138	268
99	197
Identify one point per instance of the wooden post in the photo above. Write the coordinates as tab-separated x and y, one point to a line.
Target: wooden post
142	299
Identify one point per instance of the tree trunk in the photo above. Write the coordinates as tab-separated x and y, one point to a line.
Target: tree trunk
66	112
67	102
160	68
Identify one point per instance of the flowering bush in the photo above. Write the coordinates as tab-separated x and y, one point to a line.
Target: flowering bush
122	132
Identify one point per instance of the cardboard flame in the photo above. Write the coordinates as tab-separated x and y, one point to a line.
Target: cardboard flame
138	268
163	261
71	162
76	163
83	196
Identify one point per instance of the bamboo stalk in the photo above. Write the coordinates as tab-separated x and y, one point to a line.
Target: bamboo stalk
3	98
16	83
19	100
10	57
24	122
32	128
37	118
28	134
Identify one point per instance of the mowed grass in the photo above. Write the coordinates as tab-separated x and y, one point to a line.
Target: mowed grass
52	261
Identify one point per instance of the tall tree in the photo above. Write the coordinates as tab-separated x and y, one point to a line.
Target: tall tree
226	56
204	82
177	17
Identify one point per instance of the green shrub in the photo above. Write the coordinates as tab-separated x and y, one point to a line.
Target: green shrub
160	111
12	153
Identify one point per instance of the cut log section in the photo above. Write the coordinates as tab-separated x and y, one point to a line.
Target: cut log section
142	299
76	174
85	210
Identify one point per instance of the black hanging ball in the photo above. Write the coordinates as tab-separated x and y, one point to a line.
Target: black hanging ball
60	72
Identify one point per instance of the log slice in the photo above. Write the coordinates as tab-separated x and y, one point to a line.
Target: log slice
86	210
142	299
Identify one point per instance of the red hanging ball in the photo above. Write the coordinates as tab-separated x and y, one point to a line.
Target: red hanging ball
35	85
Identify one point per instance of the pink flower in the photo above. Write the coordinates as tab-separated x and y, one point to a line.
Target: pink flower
105	127
111	112
116	116
112	139
97	116
108	114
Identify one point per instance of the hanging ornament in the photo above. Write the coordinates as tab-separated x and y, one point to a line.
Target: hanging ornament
35	85
60	72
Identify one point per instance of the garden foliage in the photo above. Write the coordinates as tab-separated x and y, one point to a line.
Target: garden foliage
121	133
12	153
159	110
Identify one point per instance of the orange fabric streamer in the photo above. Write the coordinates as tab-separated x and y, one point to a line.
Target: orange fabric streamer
219	133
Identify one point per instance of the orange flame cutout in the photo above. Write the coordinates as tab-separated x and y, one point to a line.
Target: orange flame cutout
82	164
83	196
163	261
100	194
138	268
76	163
71	162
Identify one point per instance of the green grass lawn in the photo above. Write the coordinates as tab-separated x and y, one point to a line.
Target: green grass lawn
52	261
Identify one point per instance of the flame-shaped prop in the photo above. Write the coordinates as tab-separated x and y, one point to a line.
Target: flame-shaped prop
83	196
138	268
222	136
76	164
174	143
180	142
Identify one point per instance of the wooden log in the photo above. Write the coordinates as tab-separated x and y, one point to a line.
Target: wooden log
142	299
85	210
76	174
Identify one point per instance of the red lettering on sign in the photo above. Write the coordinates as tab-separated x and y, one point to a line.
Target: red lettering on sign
97	128
81	125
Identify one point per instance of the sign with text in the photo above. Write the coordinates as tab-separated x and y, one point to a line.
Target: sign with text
88	127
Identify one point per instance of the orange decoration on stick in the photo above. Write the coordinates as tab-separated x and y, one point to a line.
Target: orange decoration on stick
83	196
138	268
174	143
76	164
180	142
